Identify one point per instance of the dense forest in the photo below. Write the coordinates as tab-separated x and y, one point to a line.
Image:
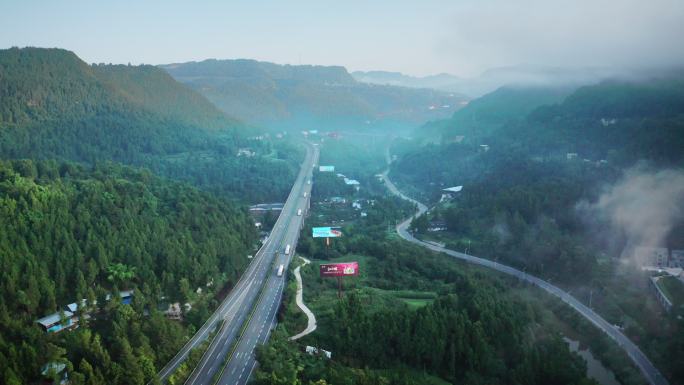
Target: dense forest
96	213
539	166
72	233
53	105
525	193
468	329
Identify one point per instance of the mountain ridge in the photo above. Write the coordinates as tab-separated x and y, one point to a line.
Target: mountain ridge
300	97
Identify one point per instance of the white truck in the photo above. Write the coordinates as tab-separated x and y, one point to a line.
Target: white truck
299	212
287	250
281	268
304	194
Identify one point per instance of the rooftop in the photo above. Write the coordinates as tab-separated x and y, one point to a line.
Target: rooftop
453	189
54	318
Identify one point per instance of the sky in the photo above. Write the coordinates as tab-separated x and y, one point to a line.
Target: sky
462	37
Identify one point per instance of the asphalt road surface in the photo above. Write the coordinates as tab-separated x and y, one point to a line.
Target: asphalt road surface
650	372
241	362
237	306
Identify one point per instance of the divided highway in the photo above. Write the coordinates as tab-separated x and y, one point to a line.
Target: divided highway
649	371
260	284
242	361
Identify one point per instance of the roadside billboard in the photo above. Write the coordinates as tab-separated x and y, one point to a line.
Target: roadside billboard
326	168
326	232
339	269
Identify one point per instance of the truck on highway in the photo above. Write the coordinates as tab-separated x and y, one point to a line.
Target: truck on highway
304	194
299	212
287	250
281	268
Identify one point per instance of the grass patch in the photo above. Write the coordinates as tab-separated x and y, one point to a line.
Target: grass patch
416	303
673	289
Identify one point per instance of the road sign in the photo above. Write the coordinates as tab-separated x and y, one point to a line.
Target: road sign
326	168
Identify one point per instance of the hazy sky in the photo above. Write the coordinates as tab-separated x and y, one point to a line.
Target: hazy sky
462	37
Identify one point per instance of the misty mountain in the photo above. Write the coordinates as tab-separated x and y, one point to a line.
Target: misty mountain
621	122
309	97
520	76
443	81
618	122
483	115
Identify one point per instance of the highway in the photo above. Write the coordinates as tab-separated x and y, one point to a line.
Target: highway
649	371
242	361
261	273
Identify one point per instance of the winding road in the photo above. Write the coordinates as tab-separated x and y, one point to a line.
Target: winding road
311	318
649	371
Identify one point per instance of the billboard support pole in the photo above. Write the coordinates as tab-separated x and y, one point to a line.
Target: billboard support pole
339	287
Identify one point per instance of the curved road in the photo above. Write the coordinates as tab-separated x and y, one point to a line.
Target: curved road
311	318
650	372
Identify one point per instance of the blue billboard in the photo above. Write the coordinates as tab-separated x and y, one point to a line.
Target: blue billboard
326	232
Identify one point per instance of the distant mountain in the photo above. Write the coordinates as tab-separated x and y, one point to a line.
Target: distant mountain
309	97
521	76
444	82
492	110
55	106
618	121
48	84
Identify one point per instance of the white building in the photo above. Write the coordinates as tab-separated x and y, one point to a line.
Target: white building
677	259
651	256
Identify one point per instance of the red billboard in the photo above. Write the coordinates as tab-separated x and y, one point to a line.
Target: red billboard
339	269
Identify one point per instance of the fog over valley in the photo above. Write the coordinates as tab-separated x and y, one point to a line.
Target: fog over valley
361	193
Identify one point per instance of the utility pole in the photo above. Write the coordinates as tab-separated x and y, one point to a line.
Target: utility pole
591	294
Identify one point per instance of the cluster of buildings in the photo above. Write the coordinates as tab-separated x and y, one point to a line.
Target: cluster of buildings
358	206
314	351
335	201
67	317
350	182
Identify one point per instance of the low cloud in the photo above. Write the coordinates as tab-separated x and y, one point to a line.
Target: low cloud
613	33
641	208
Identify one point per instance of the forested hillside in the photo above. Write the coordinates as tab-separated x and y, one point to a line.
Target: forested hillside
71	233
310	97
411	316
533	196
53	105
483	115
